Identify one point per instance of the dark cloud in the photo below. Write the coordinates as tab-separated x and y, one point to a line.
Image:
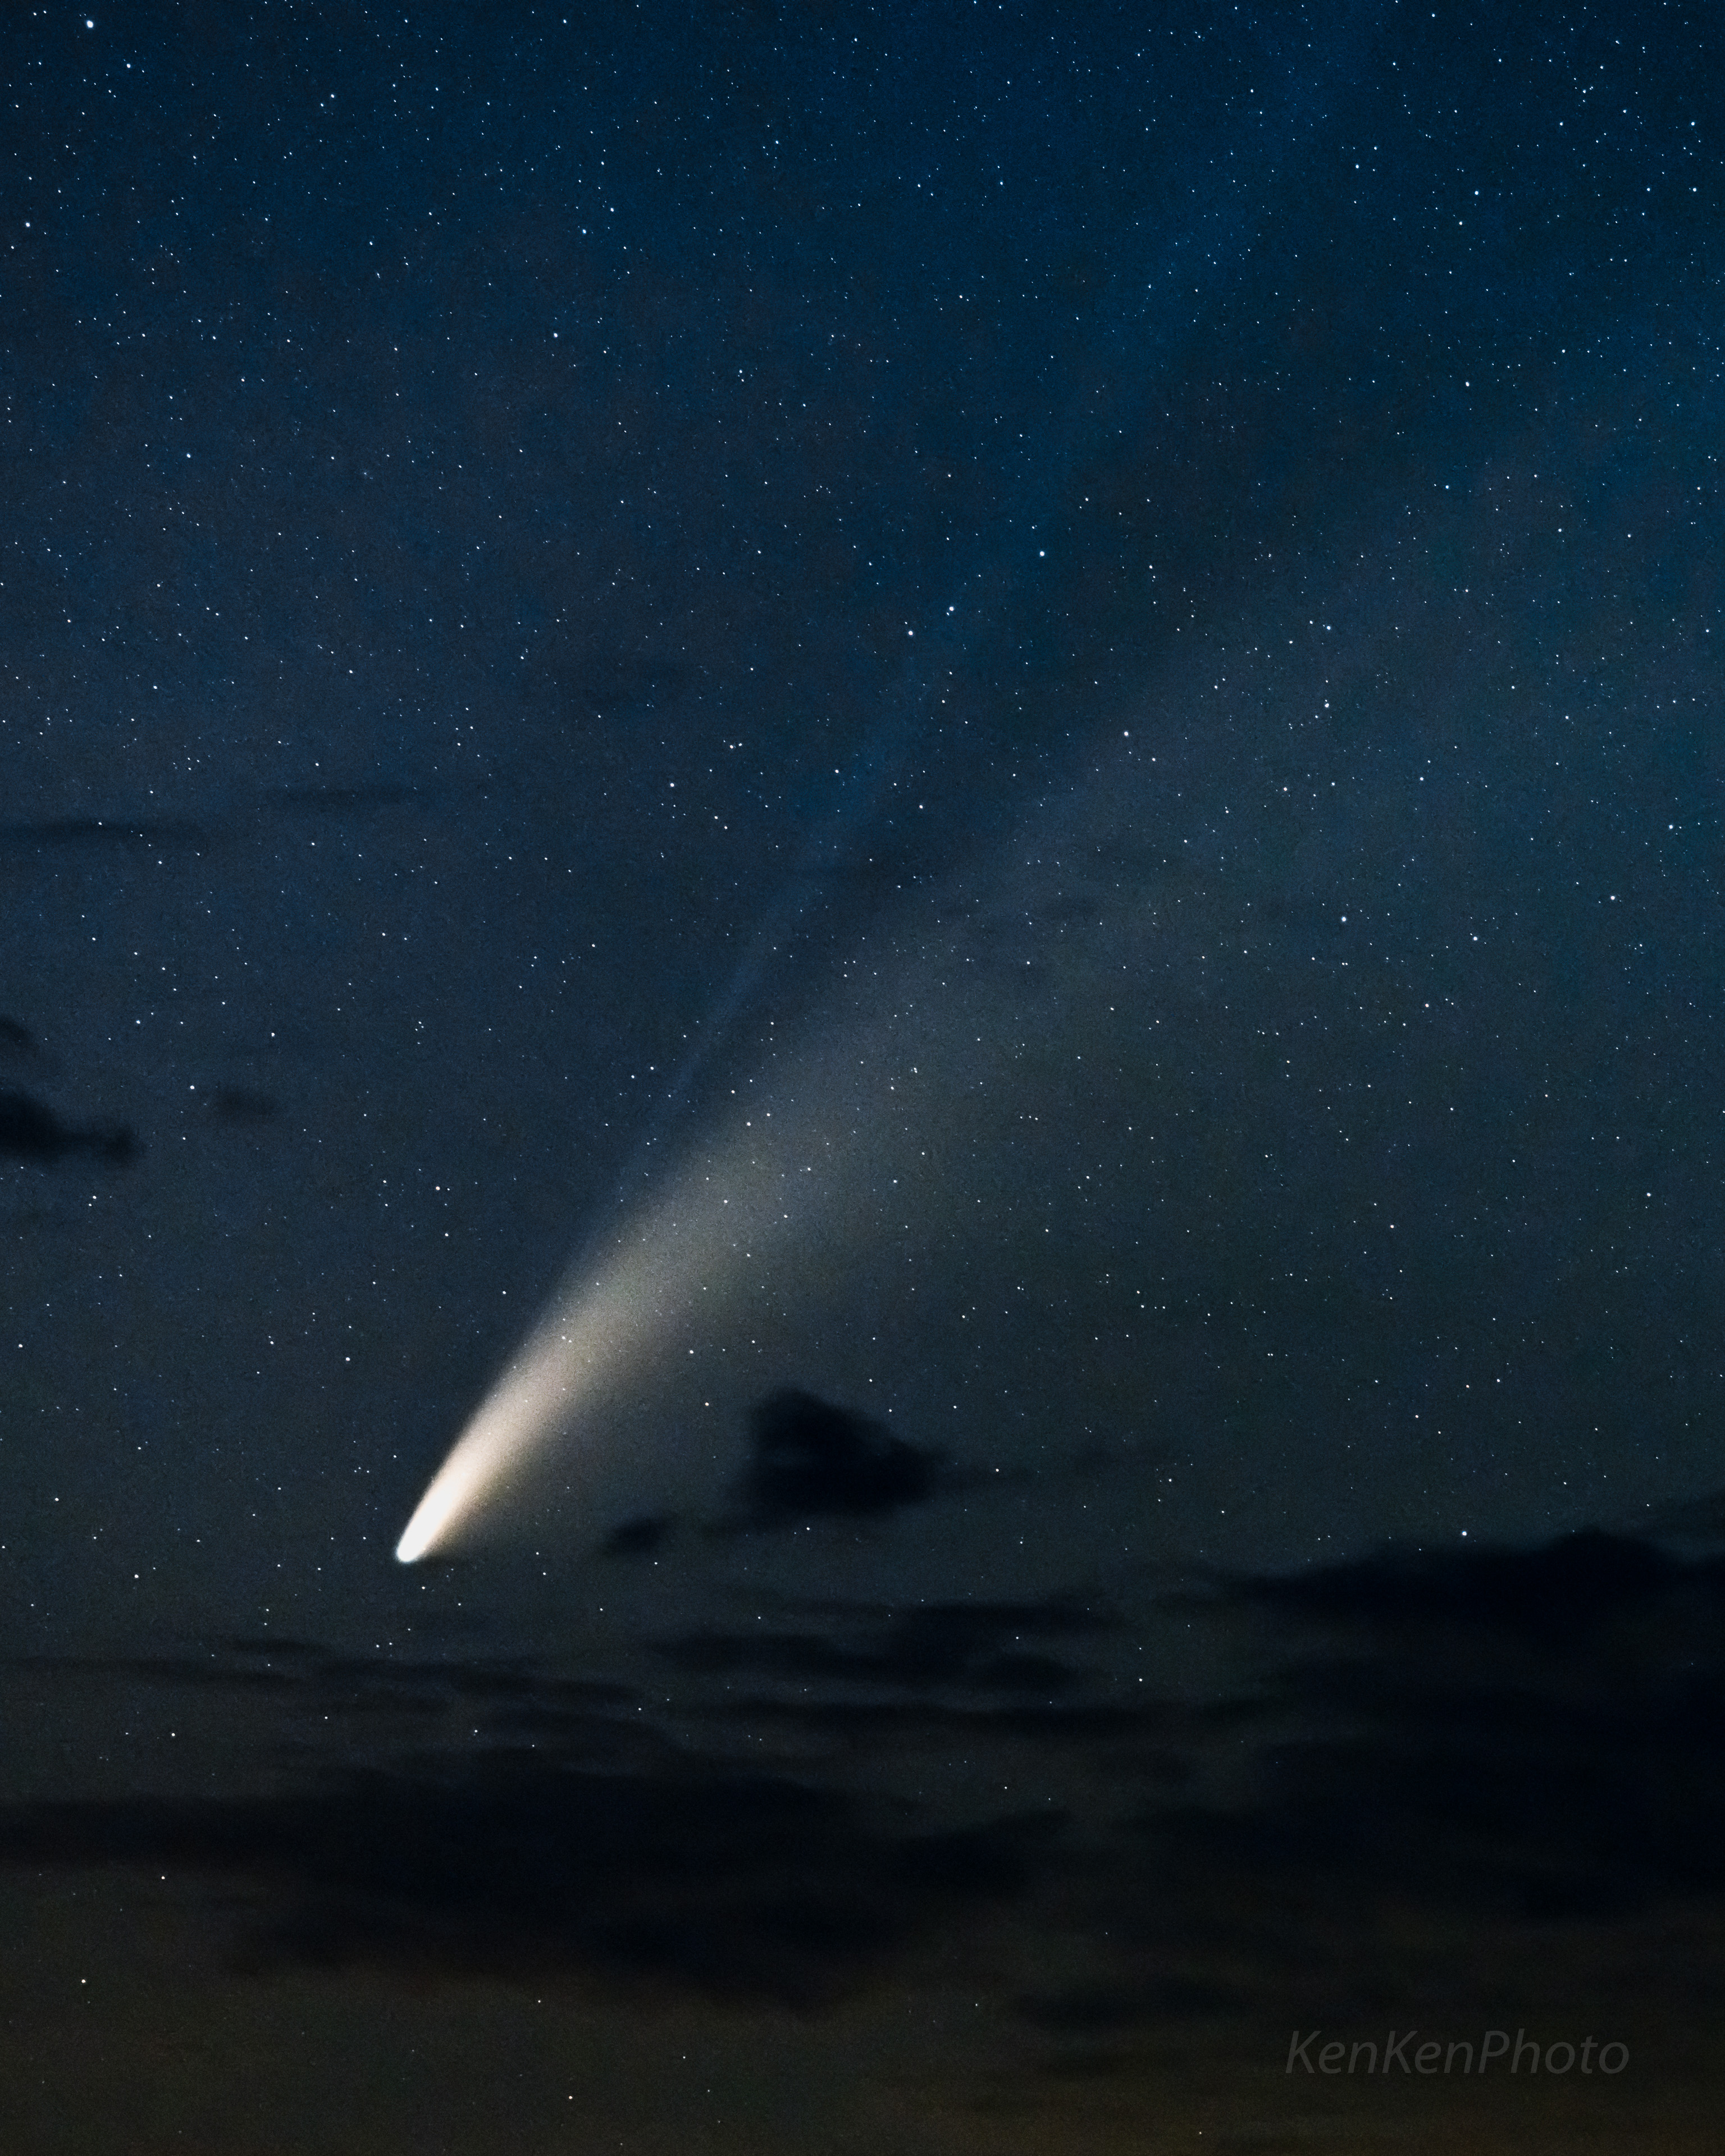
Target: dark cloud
1413	1779
639	1538
1100	2008
342	799
1046	1725
811	1457
974	1645
239	1104
1561	1593
749	1888
1534	1731
30	1130
329	1683
149	834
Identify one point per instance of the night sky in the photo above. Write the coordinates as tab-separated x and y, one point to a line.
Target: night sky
1004	715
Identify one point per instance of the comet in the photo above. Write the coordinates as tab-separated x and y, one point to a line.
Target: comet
593	1333
832	1150
610	1323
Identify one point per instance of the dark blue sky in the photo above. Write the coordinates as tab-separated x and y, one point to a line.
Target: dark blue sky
1009	715
557	571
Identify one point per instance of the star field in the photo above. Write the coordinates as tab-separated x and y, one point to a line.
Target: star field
1007	720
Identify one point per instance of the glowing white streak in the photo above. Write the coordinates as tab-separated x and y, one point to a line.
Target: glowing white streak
598	1331
540	1391
491	1446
